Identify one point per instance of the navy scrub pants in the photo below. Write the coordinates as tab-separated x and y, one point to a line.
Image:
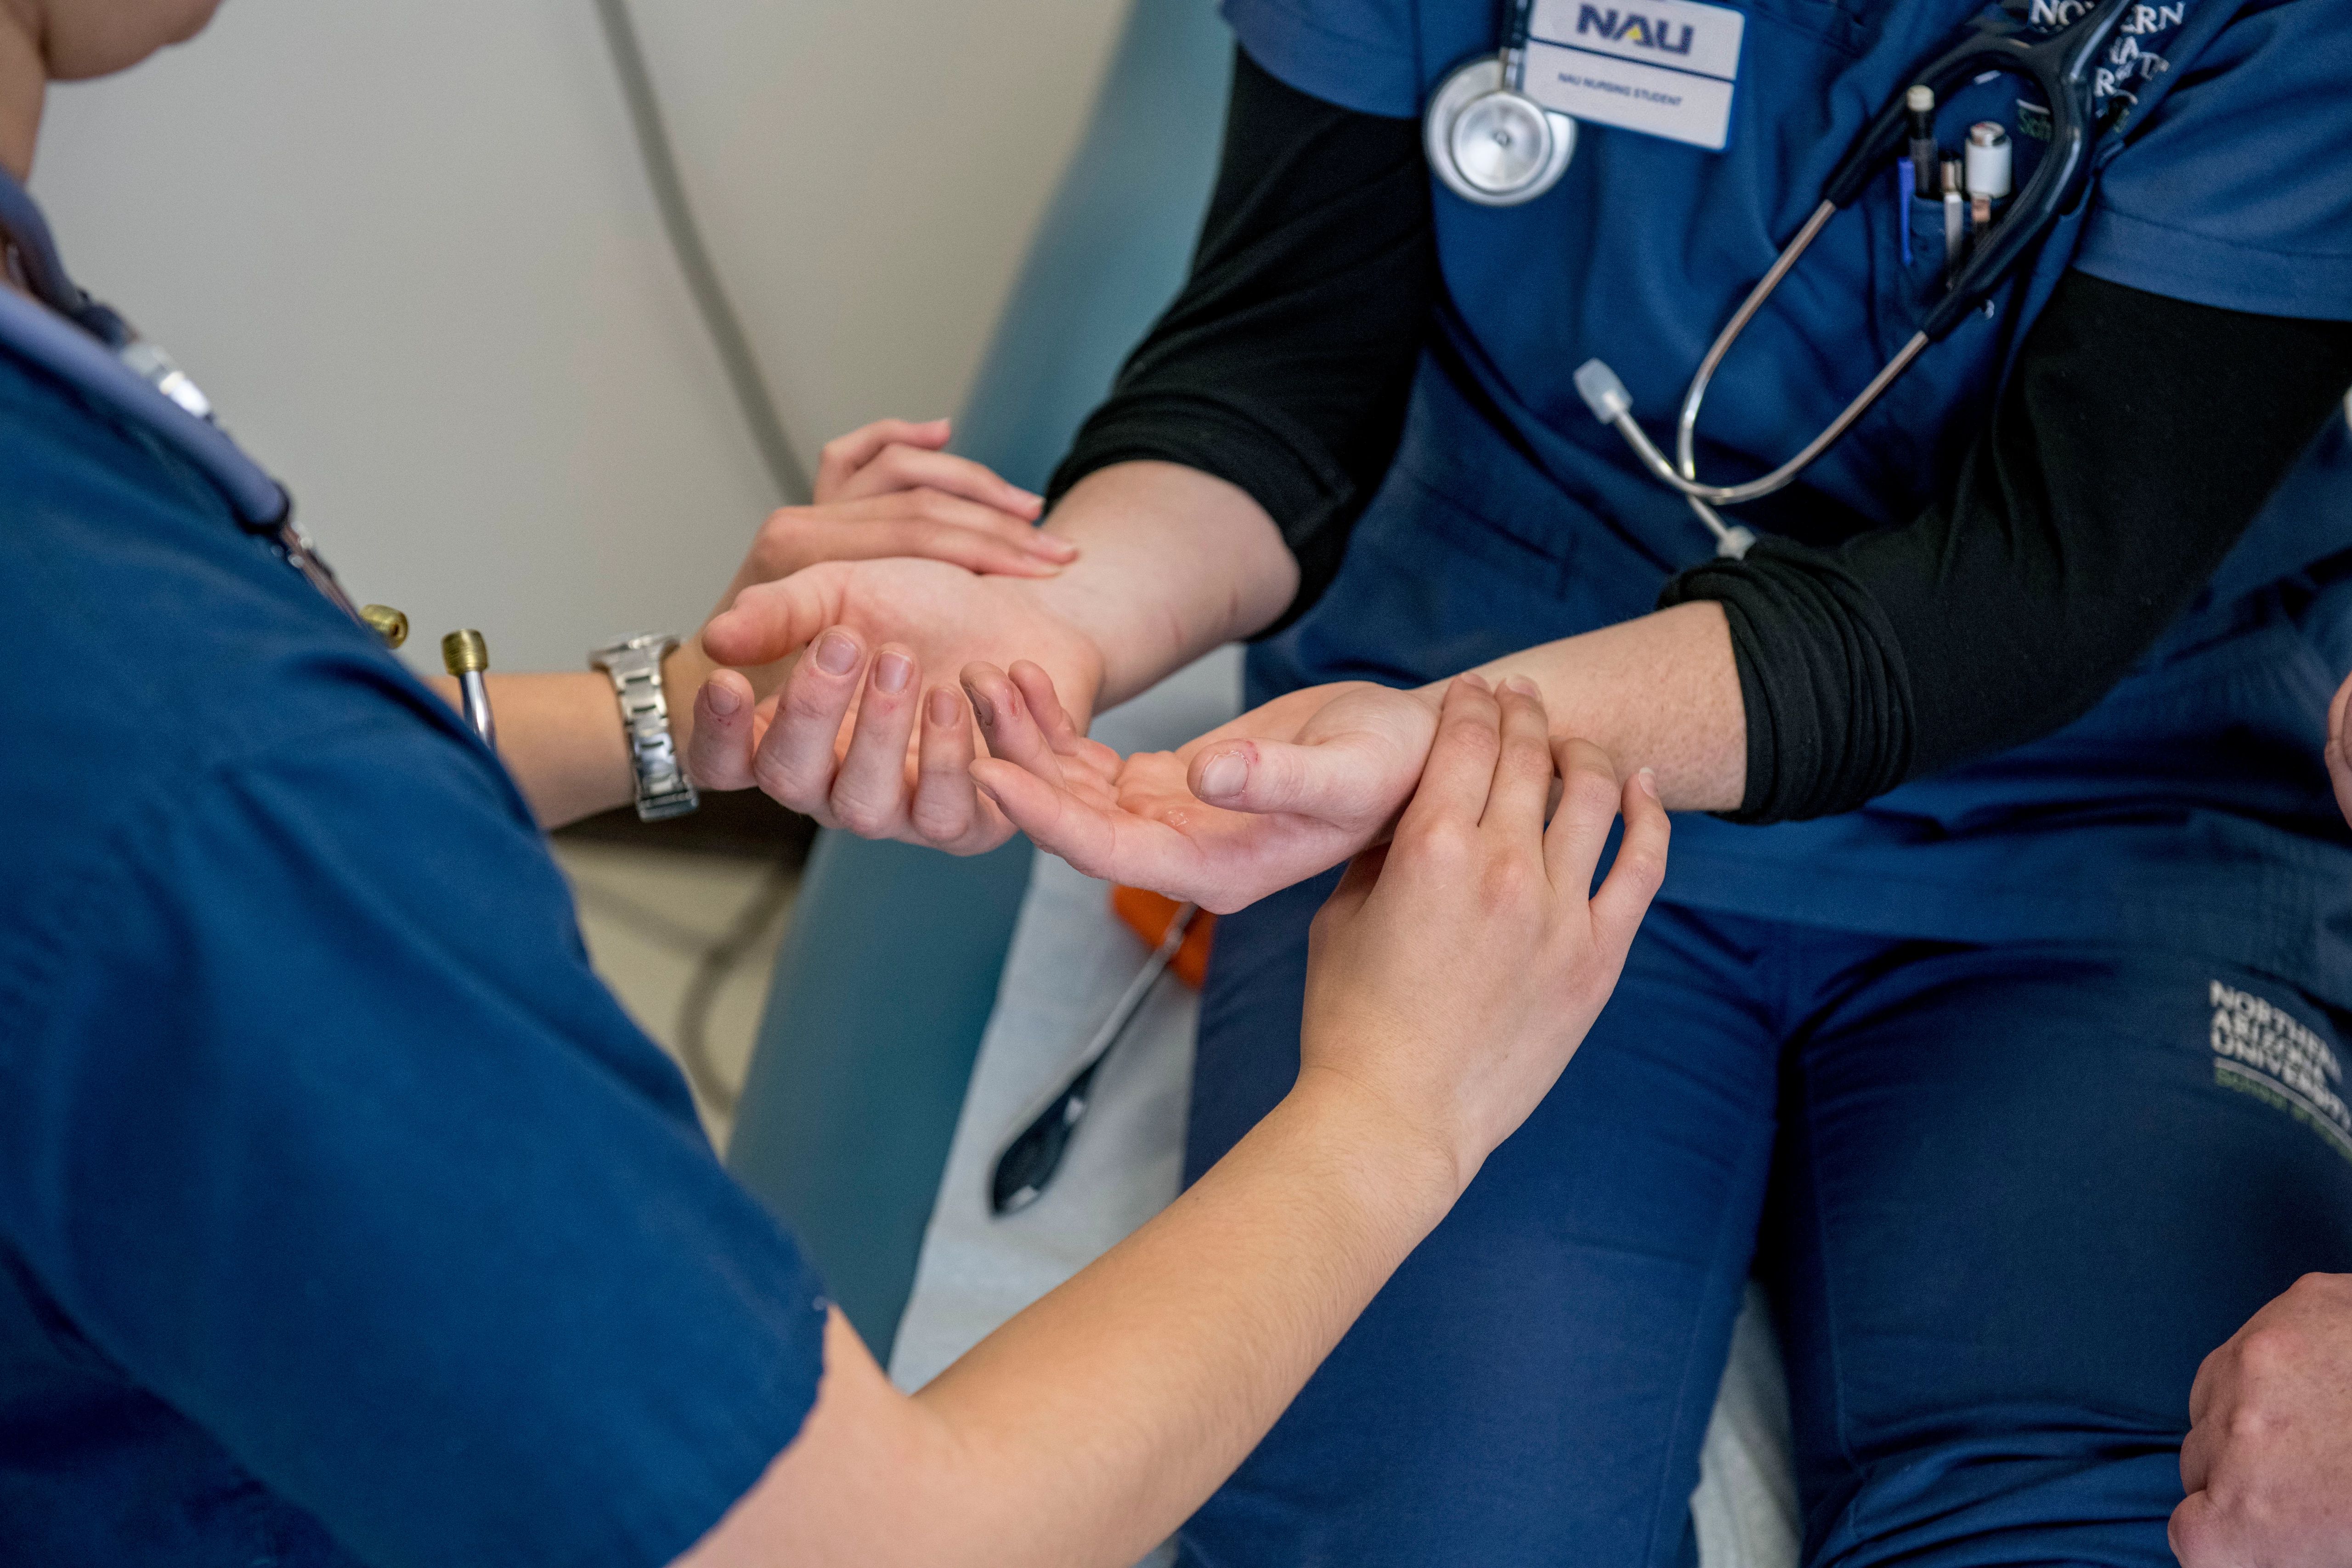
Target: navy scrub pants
2006	1199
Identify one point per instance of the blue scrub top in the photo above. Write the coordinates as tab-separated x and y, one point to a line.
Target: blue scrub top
2189	810
344	1216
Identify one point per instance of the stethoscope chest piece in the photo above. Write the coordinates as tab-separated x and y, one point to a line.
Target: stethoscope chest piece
1492	144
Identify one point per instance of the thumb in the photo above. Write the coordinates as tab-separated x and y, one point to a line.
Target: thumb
768	620
1354	779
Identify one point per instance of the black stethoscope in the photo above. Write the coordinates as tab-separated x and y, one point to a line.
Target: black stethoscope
88	346
1494	145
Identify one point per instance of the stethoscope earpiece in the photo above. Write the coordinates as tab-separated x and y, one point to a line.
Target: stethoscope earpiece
1491	144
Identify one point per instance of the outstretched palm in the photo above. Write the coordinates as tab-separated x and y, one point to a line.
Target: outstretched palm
1284	791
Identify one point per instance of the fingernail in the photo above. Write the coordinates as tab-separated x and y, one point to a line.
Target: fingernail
943	707
836	654
892	671
1053	544
980	710
1223	775
1649	783
1522	685
1474	678
724	699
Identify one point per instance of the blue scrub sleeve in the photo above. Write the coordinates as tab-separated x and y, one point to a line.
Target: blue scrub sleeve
2235	193
1358	54
315	1123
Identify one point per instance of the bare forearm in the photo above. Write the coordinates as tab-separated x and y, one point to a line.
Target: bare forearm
1089	1428
1173	563
1660	691
1120	1401
560	734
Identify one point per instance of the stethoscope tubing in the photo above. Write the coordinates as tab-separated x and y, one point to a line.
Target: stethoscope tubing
2056	68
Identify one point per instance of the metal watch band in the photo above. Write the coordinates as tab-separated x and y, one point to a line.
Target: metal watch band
635	668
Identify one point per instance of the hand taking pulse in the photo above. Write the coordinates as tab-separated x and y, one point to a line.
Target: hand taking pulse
887	489
854	738
887	641
1467	881
1450	979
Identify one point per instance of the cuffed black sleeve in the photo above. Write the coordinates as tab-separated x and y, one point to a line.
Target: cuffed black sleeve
1284	365
2137	438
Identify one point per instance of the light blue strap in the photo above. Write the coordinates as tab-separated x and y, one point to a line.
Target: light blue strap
73	357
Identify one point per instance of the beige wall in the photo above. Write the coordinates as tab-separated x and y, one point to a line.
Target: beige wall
409	250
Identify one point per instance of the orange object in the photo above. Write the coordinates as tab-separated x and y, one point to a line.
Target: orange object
1149	916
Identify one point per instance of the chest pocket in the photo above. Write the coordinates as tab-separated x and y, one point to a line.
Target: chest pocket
1937	408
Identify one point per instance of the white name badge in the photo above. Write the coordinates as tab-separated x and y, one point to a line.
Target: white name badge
1664	68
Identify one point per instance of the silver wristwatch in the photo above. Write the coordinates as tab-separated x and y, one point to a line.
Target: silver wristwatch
634	667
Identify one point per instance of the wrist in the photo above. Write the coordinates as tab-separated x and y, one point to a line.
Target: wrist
1173	561
1090	622
1401	1165
1059	633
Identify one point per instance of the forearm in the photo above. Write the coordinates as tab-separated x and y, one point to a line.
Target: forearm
1660	691
1118	1403
1172	563
560	733
1089	1428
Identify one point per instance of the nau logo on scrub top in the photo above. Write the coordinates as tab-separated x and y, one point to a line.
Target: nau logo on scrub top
1633	28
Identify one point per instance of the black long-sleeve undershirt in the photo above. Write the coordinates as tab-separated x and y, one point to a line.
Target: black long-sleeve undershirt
1284	363
2136	438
